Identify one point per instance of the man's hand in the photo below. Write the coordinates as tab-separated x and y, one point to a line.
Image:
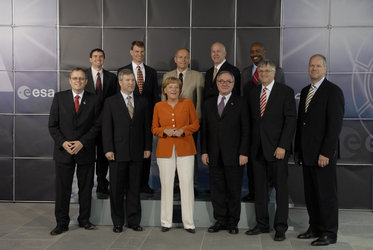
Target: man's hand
243	159
296	159
147	154
323	161
279	153
110	156
76	147
67	146
205	159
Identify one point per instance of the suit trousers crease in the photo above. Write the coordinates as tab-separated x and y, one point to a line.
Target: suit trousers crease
277	172
320	188
125	180
185	170
64	179
102	165
225	184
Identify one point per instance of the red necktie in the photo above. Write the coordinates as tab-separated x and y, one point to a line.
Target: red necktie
263	101
76	103
140	79
256	77
98	84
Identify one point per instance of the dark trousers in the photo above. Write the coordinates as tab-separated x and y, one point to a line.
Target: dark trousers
125	179
250	178
101	167
64	179
225	185
277	172
146	172
320	189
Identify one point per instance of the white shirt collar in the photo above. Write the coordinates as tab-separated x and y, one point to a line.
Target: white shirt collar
81	95
219	66
269	86
125	97
94	72
317	85
226	98
134	66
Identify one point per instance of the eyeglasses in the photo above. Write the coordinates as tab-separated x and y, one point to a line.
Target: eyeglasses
78	78
264	71
227	82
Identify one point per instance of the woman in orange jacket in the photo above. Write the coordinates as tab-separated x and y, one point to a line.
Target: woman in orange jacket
174	121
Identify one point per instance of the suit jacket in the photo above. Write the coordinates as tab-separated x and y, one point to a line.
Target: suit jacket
277	126
193	85
247	78
127	138
226	136
211	90
67	125
151	90
183	116
110	84
318	129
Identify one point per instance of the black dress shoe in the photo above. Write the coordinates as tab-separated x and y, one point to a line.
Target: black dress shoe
279	236
88	226
165	229
190	230
256	231
137	228
216	227
146	189
309	234
324	240
118	229
248	198
233	230
59	230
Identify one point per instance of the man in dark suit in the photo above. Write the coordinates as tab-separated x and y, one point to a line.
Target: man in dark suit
104	84
320	118
225	148
218	54
127	141
273	119
74	124
147	86
250	79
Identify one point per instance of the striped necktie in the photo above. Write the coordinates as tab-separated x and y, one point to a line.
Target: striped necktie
310	94
263	101
130	106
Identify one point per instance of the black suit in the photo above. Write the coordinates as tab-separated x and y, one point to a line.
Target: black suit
110	87
67	125
151	92
224	139
211	90
274	129
128	139
317	133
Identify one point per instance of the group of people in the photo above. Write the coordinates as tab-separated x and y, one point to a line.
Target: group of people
244	119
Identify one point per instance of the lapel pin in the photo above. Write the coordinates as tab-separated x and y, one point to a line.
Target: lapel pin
84	102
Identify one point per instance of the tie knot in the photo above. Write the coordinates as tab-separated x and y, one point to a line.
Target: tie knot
77	97
313	86
223	98
129	97
98	74
138	67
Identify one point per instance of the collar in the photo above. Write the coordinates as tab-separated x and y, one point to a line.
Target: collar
80	94
317	85
219	66
134	66
269	87
178	72
125	96
94	72
226	97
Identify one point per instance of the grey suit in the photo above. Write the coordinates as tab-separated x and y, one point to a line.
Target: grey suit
193	85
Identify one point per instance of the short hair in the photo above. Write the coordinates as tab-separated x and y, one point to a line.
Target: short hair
177	51
319	55
96	50
225	72
257	43
124	72
170	80
267	62
138	44
78	69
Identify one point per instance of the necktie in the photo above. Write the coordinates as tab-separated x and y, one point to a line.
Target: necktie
98	84
76	103
263	101
140	79
215	72
310	94
221	106
130	106
181	77
256	77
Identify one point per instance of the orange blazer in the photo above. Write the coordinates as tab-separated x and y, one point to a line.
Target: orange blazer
183	116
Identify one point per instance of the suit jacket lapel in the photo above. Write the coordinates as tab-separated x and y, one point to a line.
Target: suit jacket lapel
122	105
90	86
105	82
83	103
317	95
230	104
257	100
271	97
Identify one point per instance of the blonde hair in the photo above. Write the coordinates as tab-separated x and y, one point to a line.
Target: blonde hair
168	81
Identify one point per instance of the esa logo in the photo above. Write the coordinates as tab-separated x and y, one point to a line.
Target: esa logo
24	93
